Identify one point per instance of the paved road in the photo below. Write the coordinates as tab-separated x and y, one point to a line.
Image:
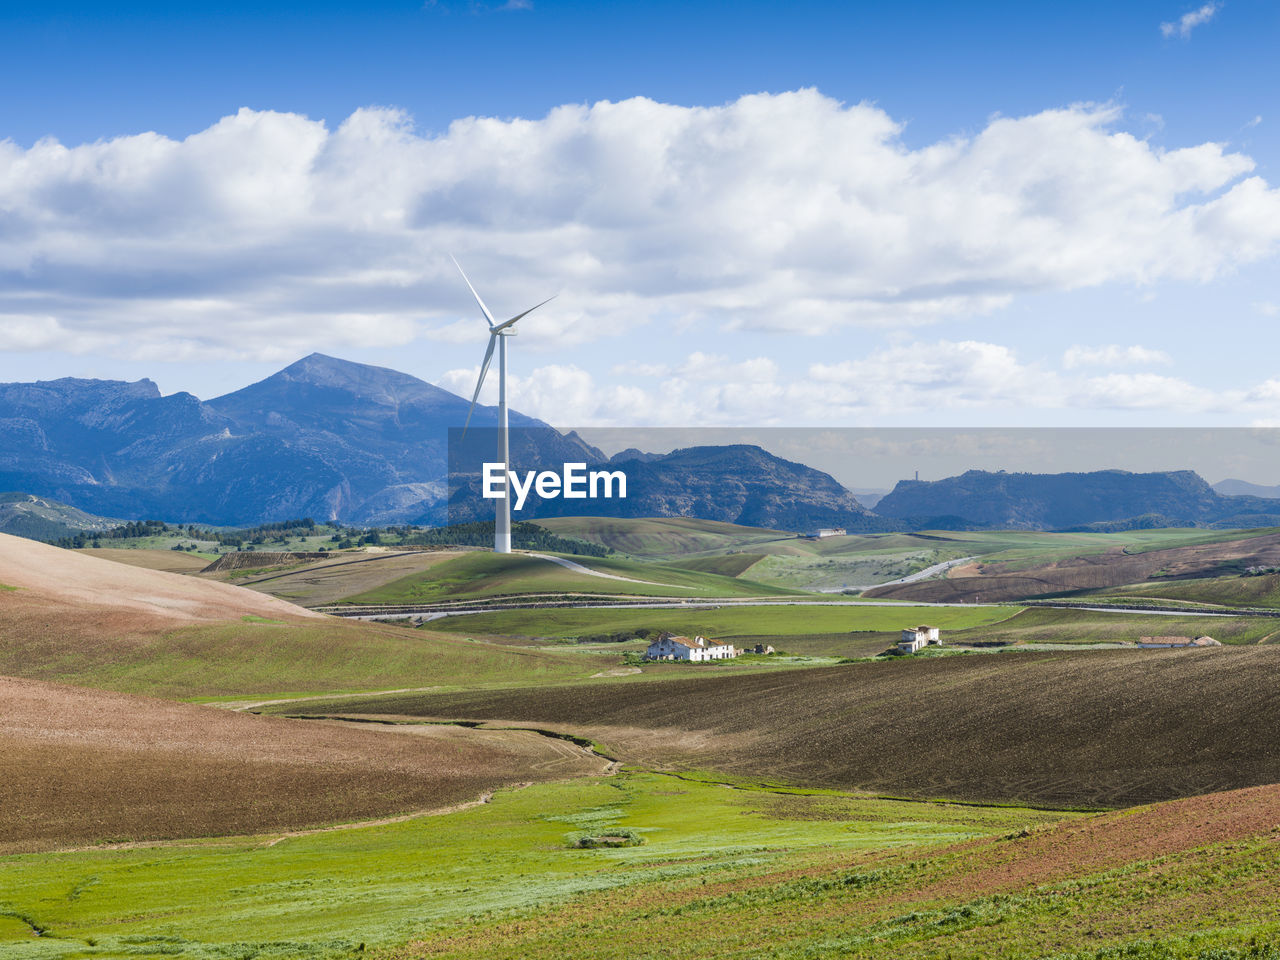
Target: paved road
924	574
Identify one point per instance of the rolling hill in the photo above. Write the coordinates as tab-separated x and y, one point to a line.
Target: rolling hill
70	617
86	767
39	518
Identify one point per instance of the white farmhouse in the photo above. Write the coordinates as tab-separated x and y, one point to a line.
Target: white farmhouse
917	638
671	647
823	532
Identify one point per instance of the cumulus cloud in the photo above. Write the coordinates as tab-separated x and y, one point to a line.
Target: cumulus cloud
268	232
1183	26
917	378
1113	355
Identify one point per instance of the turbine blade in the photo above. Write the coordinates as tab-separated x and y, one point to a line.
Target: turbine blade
484	368
483	309
507	323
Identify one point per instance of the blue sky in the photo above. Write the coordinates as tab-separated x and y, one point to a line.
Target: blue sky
208	254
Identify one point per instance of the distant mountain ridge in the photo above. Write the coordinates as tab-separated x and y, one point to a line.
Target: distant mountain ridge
361	444
350	442
324	437
735	483
1111	499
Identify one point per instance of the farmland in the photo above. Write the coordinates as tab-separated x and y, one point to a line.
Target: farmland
807	808
1093	728
1189	880
478	575
995	579
727	621
76	619
86	767
324	894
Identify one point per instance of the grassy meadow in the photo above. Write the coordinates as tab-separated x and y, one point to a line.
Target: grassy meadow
328	894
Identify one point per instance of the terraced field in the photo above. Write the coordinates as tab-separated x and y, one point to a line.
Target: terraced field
1095	728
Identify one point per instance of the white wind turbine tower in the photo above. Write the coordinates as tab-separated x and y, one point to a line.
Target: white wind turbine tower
498	333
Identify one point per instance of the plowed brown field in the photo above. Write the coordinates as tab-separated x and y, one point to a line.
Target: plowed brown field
1096	728
81	767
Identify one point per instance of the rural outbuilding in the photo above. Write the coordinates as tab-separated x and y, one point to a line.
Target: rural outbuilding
917	638
669	646
1175	643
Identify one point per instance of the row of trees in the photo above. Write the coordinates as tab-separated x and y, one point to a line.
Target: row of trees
524	536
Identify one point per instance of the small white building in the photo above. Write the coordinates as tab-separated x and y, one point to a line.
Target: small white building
672	647
822	532
917	638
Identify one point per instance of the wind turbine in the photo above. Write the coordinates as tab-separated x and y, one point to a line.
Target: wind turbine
498	333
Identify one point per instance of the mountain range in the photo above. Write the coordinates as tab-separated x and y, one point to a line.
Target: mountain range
1102	500
359	444
364	445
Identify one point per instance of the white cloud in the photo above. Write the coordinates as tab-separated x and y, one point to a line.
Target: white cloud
914	379
1113	355
268	232
1183	26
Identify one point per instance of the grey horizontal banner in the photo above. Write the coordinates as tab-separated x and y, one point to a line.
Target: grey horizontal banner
876	480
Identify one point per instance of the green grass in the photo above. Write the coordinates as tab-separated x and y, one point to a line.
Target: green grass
480	575
661	537
1260	591
726	565
234	660
323	895
5	586
764	621
1214	903
1049	625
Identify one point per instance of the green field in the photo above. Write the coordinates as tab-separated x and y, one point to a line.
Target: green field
265	659
480	575
773	620
1048	625
328	893
1259	591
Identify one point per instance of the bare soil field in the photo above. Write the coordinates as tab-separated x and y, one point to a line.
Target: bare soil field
996	582
76	579
170	561
82	767
1081	728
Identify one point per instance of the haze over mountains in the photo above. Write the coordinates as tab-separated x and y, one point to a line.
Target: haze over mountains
359	444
